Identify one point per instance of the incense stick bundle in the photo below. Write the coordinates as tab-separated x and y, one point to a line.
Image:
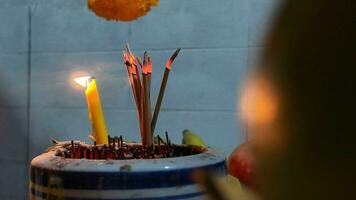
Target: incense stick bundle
162	89
135	82
149	74
142	91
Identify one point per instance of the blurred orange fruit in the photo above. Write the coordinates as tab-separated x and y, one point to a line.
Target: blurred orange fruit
123	10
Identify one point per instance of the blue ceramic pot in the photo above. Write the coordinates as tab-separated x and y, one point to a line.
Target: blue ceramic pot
53	177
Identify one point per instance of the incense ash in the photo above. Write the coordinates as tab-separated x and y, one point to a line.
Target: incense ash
119	150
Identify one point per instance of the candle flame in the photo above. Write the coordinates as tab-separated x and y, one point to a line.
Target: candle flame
83	81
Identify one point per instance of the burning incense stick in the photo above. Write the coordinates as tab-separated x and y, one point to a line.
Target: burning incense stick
149	73
130	59
162	89
126	59
146	109
148	67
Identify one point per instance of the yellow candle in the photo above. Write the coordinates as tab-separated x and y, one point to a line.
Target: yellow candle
96	115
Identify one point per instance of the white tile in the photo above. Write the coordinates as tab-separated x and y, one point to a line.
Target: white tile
13	182
220	130
14	27
73	124
58	124
13	79
260	16
200	79
254	57
52	79
70	26
192	24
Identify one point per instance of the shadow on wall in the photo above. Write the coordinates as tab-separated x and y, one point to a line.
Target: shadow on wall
13	149
13	130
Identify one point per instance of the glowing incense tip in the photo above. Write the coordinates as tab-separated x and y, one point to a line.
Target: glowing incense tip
125	57
171	59
149	65
132	60
162	89
83	81
145	69
128	56
143	65
139	61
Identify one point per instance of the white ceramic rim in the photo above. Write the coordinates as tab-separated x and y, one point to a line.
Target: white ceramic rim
49	160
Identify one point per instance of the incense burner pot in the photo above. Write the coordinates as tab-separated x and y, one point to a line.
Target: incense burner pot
54	177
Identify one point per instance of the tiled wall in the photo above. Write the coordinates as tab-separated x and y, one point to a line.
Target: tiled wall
44	43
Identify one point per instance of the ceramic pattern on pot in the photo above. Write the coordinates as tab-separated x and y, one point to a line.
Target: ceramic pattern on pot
53	177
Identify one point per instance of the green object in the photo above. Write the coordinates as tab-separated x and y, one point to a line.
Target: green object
191	138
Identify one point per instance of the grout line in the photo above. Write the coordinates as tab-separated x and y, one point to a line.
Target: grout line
248	24
129	33
29	59
248	30
138	49
13	161
244	126
13	106
199	110
134	110
13	53
134	49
